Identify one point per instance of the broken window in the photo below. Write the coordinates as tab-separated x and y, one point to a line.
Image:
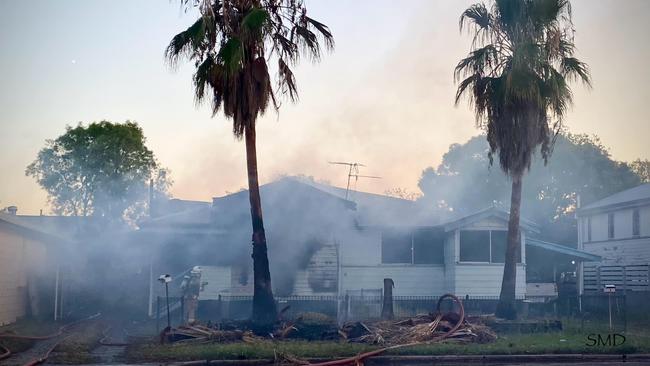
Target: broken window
396	246
407	246
487	246
499	241
474	246
428	246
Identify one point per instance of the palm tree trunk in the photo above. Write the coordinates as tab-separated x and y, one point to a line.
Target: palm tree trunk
264	309
506	306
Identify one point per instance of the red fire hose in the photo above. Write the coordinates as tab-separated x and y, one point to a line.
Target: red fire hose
63	328
358	360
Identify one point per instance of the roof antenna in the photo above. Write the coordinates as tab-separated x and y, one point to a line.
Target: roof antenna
353	172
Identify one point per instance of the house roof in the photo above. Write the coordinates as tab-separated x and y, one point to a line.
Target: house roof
285	195
25	224
374	209
629	197
466	220
563	249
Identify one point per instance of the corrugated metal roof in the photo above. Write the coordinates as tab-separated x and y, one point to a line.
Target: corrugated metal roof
559	248
636	194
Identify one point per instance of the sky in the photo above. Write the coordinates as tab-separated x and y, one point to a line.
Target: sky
383	97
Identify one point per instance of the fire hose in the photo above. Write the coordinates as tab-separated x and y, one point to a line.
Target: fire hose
7	352
105	335
358	360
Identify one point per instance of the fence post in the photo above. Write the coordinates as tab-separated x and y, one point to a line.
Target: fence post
219	308
624	278
157	314
182	300
625	311
347	307
599	287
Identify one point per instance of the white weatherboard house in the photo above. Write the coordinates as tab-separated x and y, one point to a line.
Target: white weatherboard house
616	228
360	242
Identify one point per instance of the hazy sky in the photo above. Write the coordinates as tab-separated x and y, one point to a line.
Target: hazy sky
383	98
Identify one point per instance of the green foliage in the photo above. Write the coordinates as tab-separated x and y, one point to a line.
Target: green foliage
230	45
101	169
465	182
642	169
516	74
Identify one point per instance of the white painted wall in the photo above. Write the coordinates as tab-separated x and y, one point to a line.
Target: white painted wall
360	247
485	280
621	252
410	280
218	282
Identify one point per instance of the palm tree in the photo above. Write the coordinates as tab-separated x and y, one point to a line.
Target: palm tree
516	78
230	45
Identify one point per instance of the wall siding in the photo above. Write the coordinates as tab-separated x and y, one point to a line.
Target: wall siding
485	280
20	258
218	282
410	280
629	251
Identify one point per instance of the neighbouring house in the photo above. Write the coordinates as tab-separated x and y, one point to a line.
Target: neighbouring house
27	270
322	244
616	228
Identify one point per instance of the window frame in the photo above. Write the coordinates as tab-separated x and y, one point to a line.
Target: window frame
460	261
411	234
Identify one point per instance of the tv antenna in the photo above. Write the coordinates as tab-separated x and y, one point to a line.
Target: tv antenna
353	171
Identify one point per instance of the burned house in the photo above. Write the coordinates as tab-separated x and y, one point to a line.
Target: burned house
322	244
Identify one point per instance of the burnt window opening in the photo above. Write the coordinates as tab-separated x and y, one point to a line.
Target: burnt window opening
636	226
485	246
396	247
405	246
474	246
610	225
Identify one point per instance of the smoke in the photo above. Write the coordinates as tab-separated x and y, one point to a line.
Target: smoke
395	114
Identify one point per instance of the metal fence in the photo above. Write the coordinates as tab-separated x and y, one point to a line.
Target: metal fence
343	308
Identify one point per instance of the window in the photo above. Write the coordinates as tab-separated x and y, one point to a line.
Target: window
589	228
635	223
421	246
475	246
499	241
488	246
396	247
428	246
610	225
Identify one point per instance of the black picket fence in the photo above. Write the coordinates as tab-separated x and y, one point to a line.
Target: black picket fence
342	308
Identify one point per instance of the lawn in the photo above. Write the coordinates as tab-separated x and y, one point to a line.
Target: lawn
573	339
29	327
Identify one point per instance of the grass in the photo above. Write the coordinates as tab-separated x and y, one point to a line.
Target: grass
77	348
573	339
28	327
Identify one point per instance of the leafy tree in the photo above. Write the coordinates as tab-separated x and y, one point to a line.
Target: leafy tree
642	169
101	169
230	45
582	167
516	77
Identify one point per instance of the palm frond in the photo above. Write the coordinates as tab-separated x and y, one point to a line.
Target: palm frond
574	69
186	42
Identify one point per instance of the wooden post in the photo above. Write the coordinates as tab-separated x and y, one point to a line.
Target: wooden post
219	311
387	306
157	314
